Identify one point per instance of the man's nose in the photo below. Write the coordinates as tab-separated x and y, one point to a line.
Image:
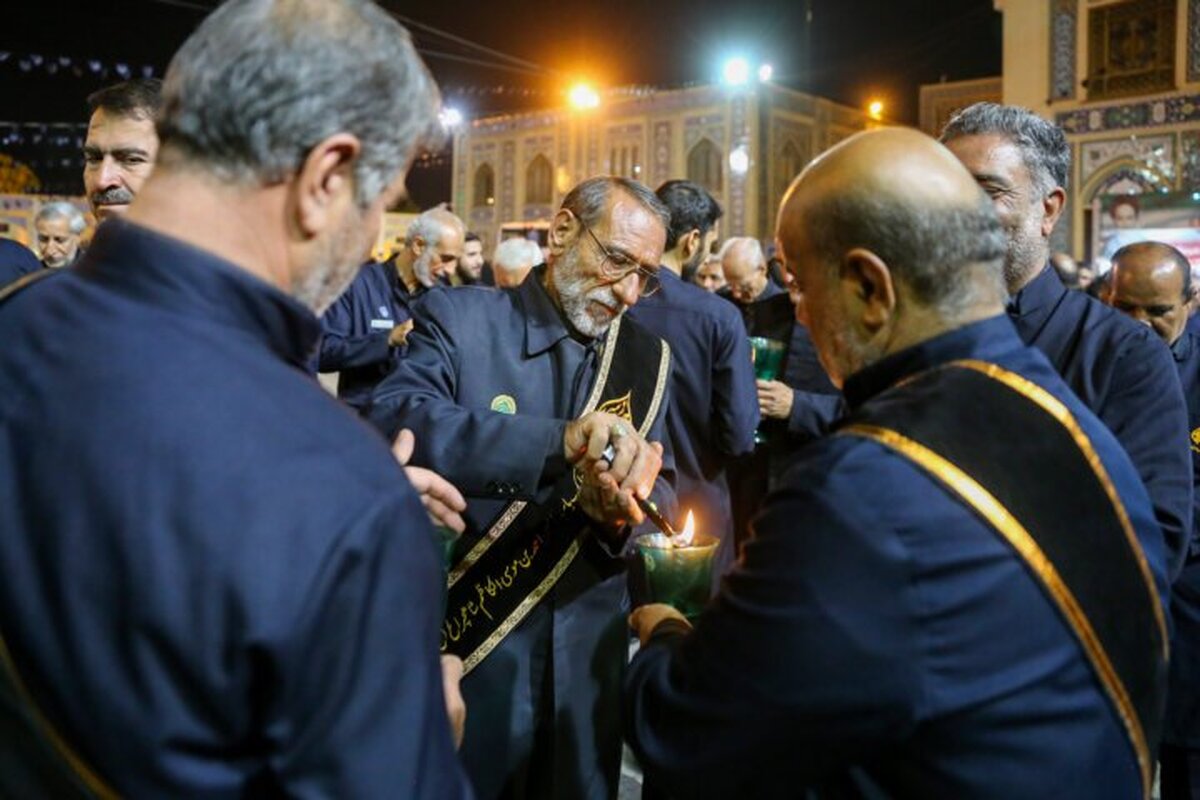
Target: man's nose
628	288
110	173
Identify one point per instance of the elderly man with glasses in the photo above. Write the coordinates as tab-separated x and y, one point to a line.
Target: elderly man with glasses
514	396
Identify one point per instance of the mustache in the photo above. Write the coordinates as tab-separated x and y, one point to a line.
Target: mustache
114	196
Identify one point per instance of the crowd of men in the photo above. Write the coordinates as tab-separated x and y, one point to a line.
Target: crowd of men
956	530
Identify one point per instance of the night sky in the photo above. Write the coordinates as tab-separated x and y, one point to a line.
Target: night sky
853	51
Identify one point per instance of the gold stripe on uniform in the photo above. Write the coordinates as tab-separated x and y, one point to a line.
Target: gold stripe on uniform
987	506
90	779
1053	406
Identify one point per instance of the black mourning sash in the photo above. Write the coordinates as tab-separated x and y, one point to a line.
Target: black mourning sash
35	761
529	545
1016	455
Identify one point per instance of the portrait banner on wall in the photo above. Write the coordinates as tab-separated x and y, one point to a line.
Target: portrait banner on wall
1169	217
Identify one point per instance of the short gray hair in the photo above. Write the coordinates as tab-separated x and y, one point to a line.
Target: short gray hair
516	253
589	200
261	82
431	225
926	247
60	209
1043	144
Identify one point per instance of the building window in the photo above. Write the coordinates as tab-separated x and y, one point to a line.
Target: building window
1131	49
539	182
790	164
485	187
704	165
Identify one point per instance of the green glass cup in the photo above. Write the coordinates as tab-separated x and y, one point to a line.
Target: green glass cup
446	539
681	576
767	357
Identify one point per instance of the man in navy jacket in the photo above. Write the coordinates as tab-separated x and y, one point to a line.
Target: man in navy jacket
908	620
217	581
1118	368
713	406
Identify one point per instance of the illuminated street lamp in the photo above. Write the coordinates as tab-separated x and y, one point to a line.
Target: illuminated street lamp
583	97
450	117
875	110
739	160
765	72
736	72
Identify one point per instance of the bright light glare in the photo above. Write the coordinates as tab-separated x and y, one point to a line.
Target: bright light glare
450	117
583	96
765	72
736	72
739	160
875	109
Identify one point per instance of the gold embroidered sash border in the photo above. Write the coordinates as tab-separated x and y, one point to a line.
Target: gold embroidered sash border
527	604
986	504
1060	412
90	779
515	508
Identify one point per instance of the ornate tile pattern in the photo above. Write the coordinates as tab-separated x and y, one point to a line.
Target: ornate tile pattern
1063	17
1138	114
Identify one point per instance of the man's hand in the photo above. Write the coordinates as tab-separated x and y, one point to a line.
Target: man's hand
456	708
774	399
442	501
399	335
645	619
610	488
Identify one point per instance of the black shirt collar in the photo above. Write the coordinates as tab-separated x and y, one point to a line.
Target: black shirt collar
545	325
1038	296
185	280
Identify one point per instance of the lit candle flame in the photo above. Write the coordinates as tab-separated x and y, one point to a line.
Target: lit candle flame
689	531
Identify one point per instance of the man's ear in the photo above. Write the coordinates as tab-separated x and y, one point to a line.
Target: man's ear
689	243
563	230
1052	208
867	285
324	182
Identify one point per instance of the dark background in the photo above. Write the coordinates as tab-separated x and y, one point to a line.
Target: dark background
509	56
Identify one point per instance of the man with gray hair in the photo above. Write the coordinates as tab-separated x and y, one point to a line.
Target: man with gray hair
513	260
514	396
929	608
1118	368
225	586
58	226
364	331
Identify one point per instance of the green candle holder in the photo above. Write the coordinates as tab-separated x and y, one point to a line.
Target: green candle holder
767	357
446	539
681	576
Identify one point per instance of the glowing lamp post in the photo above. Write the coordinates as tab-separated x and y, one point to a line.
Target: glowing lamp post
583	97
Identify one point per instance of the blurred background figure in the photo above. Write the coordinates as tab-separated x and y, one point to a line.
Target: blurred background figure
1067	269
472	270
513	260
709	275
59	226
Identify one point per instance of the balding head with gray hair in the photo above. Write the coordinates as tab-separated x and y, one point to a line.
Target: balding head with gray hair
60	209
513	260
57	226
261	82
434	243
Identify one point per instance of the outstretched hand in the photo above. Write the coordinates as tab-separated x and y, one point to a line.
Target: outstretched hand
442	501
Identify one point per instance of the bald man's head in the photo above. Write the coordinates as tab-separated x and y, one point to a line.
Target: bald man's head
1152	283
889	231
745	267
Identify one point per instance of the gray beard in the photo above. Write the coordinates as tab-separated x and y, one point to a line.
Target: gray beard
576	300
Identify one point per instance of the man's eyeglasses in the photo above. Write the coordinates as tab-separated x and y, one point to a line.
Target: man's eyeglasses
616	267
